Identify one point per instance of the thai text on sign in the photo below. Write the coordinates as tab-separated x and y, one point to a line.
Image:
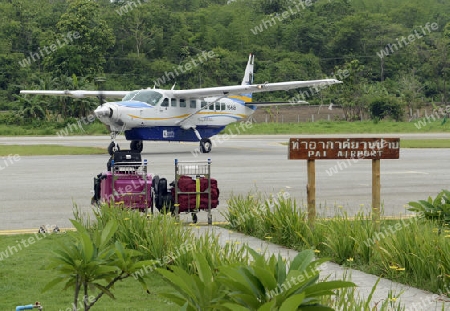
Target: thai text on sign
343	148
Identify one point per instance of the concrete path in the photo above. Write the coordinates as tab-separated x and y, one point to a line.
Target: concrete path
412	299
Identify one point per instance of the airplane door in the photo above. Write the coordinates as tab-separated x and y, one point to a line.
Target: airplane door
164	105
164	111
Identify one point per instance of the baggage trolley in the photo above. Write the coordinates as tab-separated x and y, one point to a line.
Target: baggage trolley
133	176
198	174
126	183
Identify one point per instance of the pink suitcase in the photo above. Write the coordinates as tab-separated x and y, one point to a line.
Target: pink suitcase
129	190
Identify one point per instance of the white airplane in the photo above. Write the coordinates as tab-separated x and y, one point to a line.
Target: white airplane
180	115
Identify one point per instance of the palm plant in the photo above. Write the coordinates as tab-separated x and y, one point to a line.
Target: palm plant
32	107
261	285
95	263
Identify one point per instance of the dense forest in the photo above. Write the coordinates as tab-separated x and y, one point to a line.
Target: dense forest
390	54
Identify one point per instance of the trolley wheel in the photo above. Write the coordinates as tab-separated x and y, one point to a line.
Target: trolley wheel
205	145
194	218
137	145
209	219
113	147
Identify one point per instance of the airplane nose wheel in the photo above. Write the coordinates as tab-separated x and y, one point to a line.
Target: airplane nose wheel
113	147
205	145
136	145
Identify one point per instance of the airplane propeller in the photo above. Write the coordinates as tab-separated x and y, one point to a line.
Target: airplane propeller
100	83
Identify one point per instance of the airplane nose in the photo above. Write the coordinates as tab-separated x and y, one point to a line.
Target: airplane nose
103	112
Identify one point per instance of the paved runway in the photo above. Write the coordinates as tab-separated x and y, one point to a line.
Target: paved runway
41	190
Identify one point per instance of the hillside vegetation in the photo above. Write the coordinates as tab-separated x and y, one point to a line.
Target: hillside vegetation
391	55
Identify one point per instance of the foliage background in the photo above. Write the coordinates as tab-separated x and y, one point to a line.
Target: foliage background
133	43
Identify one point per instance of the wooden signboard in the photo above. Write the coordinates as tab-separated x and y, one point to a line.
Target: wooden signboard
374	149
343	148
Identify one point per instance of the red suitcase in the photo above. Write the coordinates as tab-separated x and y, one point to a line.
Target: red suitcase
188	202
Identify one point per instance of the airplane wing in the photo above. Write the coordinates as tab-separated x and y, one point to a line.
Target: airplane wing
252	88
77	93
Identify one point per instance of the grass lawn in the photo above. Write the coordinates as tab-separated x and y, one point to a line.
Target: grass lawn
28	150
424	143
23	276
341	127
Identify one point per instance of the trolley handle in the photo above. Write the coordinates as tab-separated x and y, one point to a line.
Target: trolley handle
37	305
199	161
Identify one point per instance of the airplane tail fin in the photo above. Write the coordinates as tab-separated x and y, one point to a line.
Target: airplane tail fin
248	78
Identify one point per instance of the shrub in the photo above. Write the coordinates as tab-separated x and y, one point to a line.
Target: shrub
383	107
437	209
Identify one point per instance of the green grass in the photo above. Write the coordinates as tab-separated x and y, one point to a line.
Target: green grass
340	127
53	128
411	251
32	150
424	143
23	276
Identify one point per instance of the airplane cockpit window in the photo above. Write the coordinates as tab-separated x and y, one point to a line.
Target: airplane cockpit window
165	102
146	96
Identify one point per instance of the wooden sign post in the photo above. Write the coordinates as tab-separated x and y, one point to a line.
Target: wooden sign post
374	149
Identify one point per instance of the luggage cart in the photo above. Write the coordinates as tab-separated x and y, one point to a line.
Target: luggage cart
197	174
126	183
130	185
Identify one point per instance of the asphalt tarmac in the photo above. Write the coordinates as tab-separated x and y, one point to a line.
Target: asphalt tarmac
42	190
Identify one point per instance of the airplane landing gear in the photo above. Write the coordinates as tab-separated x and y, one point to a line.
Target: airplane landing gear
113	146
137	145
205	145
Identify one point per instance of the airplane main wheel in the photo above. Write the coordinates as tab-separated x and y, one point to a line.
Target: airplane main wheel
136	145
205	145
113	147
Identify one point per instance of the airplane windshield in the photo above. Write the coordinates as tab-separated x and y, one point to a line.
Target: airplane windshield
146	96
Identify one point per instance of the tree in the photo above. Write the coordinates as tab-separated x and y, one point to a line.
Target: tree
32	107
86	38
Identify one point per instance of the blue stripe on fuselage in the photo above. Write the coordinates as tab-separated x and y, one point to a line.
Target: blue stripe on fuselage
134	104
171	133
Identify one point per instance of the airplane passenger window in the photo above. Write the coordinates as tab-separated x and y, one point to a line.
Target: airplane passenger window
217	106
165	103
222	106
193	103
203	104
182	102
173	102
211	107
